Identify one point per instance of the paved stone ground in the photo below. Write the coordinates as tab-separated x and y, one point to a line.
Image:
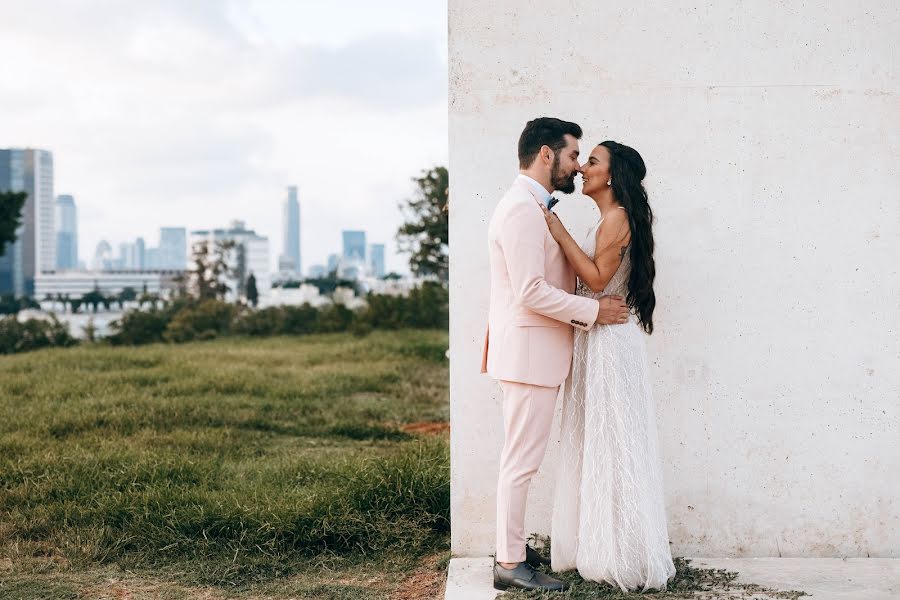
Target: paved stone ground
822	578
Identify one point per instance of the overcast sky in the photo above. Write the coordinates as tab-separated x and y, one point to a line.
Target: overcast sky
196	112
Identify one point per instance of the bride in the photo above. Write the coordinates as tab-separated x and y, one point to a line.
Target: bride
609	518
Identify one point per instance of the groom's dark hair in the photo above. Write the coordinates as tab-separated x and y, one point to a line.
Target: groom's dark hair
544	131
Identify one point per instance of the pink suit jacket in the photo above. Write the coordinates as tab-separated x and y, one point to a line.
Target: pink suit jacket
532	309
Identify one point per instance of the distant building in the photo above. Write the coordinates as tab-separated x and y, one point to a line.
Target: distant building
286	267
141	253
151	259
78	283
334	262
123	260
354	246
317	271
172	248
250	255
352	270
391	287
295	296
289	260
130	256
34	250
103	257
12	267
376	260
66	233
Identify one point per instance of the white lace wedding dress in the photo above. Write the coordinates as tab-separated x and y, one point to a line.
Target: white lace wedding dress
609	517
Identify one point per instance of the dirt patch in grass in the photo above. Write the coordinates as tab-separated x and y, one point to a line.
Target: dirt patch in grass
428	581
141	590
425	427
392	579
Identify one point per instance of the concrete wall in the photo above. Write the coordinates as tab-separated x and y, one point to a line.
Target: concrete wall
772	137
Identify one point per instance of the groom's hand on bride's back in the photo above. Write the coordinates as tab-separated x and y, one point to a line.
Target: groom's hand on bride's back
613	311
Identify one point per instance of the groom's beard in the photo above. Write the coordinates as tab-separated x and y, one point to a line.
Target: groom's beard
559	181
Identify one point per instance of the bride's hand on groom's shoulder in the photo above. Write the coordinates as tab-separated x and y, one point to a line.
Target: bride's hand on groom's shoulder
557	229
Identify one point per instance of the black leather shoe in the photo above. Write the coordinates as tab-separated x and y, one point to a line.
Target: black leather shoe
524	577
534	558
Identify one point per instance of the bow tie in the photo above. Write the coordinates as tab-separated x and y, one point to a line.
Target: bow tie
552	202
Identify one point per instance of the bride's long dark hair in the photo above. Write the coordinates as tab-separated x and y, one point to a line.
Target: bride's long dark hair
627	171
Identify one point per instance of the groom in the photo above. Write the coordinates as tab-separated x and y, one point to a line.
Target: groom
528	347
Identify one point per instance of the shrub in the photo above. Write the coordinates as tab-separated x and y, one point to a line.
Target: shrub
139	327
360	327
206	320
384	312
334	318
428	306
33	334
268	321
425	307
299	319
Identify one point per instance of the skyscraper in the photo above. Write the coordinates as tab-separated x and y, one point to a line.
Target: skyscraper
334	261
128	256
172	248
354	246
34	251
39	185
376	260
66	233
141	251
290	217
151	259
103	257
12	269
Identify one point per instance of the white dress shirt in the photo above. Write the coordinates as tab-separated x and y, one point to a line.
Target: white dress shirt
540	190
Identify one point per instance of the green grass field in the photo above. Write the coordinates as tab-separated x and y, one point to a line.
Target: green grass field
282	467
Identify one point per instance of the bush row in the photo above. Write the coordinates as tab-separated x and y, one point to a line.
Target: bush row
33	334
185	319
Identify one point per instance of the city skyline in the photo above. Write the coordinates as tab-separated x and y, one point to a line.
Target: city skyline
245	99
402	265
45	253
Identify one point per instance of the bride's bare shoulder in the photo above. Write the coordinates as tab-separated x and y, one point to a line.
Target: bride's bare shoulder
614	225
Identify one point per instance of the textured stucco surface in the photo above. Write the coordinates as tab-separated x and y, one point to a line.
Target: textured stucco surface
771	132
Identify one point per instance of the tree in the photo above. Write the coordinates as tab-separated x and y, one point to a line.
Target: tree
424	235
327	284
95	298
127	294
28	302
11	204
252	293
9	305
205	279
90	330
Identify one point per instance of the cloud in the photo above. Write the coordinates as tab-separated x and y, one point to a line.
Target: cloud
171	112
387	73
152	46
